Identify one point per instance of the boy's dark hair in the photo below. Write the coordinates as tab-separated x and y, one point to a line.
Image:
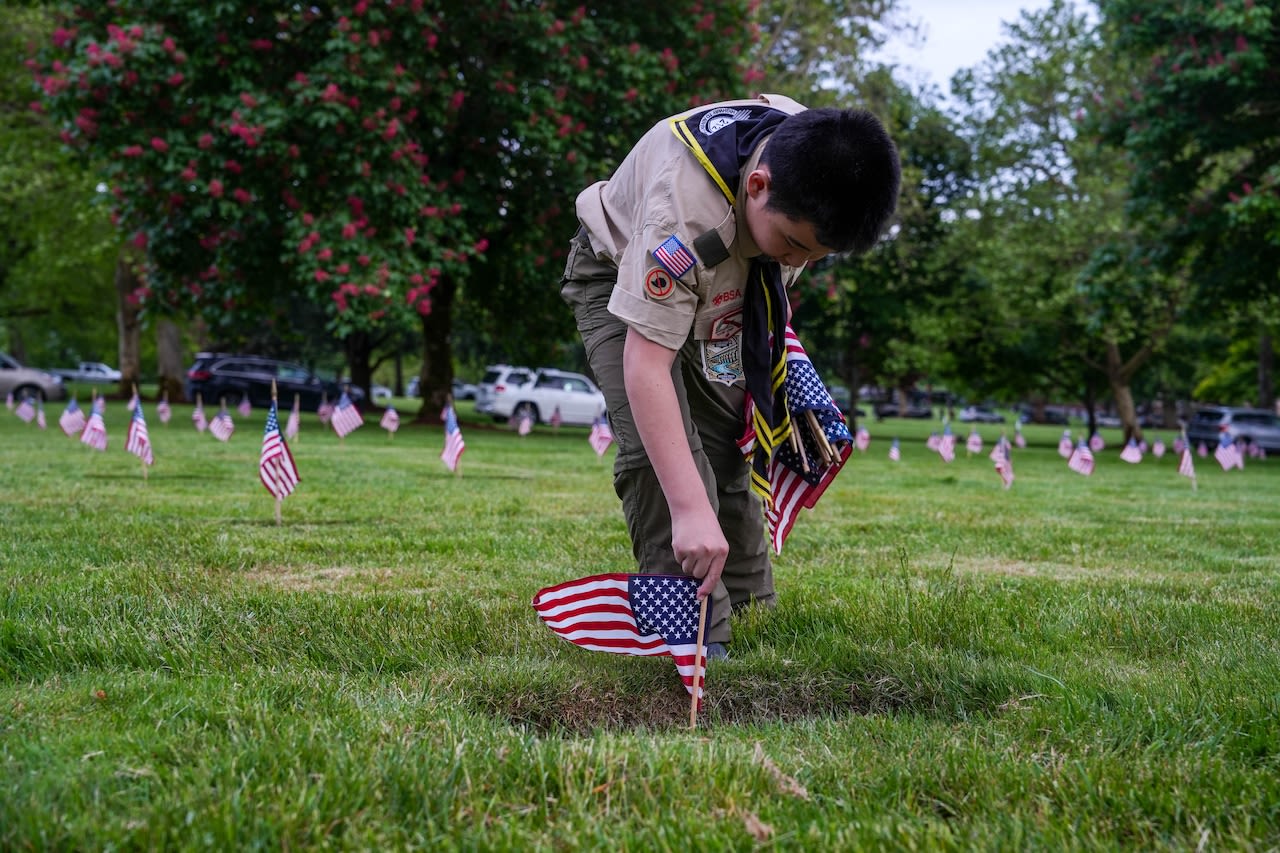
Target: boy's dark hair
836	169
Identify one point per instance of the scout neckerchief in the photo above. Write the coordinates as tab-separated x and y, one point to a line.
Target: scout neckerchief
723	139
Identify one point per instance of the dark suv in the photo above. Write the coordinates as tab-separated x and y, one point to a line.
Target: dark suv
1252	426
225	378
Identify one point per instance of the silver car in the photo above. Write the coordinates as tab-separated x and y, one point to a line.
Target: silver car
23	381
1252	426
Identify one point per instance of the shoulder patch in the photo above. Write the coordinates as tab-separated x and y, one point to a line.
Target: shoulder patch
658	283
674	257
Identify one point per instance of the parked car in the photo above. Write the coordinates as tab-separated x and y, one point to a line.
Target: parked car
579	400
844	401
222	378
1252	426
890	410
979	415
497	379
381	394
88	371
1051	415
464	390
22	382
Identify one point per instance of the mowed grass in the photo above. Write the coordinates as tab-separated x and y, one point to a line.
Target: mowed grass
1072	663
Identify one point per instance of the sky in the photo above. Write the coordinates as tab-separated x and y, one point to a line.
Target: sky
956	34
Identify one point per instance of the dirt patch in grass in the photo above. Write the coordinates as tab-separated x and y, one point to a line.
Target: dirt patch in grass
326	578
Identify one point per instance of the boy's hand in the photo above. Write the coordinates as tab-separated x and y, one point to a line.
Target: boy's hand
700	547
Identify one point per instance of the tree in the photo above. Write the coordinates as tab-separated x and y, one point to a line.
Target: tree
364	158
1200	129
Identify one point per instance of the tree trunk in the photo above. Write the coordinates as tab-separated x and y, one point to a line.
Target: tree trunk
128	322
169	360
359	351
1266	367
435	383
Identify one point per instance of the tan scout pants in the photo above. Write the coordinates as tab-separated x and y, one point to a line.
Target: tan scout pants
712	421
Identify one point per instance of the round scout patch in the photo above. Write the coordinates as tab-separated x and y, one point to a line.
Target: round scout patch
658	283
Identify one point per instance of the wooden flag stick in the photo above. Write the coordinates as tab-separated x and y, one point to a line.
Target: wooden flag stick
797	444
697	664
278	502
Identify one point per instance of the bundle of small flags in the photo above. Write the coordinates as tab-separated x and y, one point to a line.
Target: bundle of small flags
600	436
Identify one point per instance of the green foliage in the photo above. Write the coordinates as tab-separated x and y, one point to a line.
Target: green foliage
354	155
1199	127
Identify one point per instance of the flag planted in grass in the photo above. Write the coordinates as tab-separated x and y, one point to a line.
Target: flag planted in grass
26	410
390	420
601	436
895	451
1004	464
629	614
1131	453
40	421
95	429
138	441
346	418
245	409
197	416
1081	460
163	412
1187	466
453	443
72	419
276	468
222	426
295	420
1229	456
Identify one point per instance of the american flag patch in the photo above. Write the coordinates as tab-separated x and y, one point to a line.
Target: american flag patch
674	257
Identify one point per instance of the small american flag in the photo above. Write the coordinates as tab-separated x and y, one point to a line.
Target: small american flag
72	419
974	443
1131	453
1004	465
1157	449
138	441
1081	460
133	401
1096	443
932	442
647	615
1065	445
453	443
163	412
198	418
674	257
390	420
1229	456
1202	451
895	451
26	410
95	429
222	426
245	409
1179	444
40	419
947	444
326	409
862	439
295	420
556	418
346	417
525	424
8	401
276	468
1187	466
601	436
1019	440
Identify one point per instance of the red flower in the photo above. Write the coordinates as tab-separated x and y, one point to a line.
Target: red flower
215	188
159	144
242	195
206	141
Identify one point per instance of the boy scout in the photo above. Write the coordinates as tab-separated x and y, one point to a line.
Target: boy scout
677	281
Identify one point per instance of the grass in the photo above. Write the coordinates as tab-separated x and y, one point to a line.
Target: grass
1075	663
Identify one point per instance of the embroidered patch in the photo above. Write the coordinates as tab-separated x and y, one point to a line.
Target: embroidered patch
720	118
674	257
726	326
658	283
722	360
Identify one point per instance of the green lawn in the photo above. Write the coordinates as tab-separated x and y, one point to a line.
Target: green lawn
1072	663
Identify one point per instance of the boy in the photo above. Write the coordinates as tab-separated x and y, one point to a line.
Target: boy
677	280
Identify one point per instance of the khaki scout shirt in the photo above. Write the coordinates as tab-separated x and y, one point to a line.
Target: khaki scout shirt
658	191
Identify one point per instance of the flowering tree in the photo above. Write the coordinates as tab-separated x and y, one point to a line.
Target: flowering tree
365	156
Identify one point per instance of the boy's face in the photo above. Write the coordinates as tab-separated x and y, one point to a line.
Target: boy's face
789	241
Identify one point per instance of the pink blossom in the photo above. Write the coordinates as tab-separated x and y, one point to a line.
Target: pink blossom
168	45
455	102
132	151
262	44
325	254
424	307
242	195
189	173
321	276
248	100
348	230
343	269
159	144
363	260
410	235
140	239
215	188
175	79
206	141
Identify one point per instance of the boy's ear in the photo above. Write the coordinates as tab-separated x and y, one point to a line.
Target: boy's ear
758	181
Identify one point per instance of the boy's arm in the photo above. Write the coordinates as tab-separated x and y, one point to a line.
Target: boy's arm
696	538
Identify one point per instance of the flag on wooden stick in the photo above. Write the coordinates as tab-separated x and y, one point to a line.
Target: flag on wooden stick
138	440
95	429
295	420
276	467
72	419
453	443
390	420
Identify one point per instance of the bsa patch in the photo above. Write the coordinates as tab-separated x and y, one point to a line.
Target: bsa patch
726	326
658	283
722	360
674	257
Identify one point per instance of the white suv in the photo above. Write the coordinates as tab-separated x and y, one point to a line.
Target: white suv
579	401
498	379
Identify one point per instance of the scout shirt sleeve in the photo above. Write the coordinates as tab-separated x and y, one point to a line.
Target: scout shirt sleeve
649	297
